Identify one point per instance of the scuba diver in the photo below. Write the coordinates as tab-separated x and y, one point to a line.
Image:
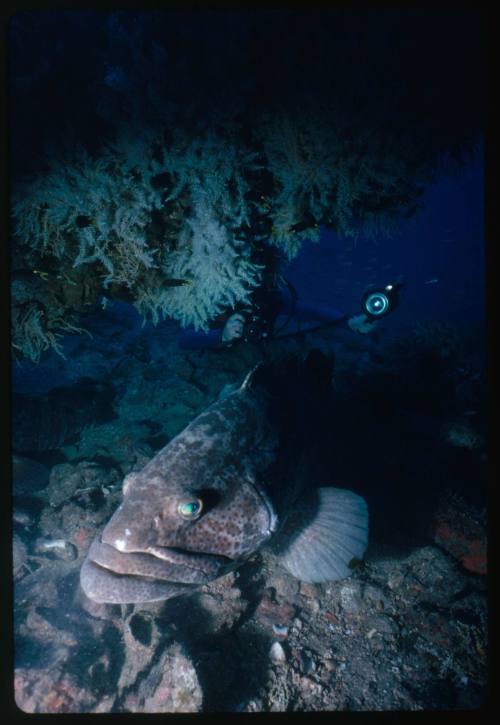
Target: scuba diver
277	297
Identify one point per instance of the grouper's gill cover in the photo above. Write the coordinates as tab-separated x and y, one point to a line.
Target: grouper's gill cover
237	462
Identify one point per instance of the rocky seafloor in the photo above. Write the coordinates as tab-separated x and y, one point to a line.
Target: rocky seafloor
407	631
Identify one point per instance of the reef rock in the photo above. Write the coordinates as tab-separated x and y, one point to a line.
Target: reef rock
171	685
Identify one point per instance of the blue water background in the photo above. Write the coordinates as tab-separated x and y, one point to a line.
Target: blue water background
440	252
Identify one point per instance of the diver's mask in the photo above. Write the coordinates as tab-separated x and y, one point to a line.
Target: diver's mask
380	301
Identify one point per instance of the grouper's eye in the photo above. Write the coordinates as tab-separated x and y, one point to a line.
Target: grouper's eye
191	508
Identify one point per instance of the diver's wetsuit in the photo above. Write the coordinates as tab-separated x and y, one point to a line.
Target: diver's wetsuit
191	339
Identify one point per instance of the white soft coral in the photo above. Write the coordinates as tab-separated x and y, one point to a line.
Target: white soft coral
215	266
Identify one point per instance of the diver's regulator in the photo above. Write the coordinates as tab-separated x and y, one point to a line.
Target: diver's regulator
380	301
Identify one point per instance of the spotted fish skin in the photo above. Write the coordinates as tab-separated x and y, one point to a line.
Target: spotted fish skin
241	458
220	458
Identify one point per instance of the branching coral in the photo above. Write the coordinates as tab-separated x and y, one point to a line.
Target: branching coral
93	211
100	213
303	157
172	219
34	331
213	167
324	174
215	265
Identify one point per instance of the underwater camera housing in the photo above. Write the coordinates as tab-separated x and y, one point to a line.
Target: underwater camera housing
261	314
380	301
256	326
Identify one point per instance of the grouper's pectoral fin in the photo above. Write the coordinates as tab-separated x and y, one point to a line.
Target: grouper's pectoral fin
324	535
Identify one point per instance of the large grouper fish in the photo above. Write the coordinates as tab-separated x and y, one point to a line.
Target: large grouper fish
237	477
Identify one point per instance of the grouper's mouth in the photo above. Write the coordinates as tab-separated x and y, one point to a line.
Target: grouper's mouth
112	576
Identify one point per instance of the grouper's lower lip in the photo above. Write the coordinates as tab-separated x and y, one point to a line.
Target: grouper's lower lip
165	564
111	576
